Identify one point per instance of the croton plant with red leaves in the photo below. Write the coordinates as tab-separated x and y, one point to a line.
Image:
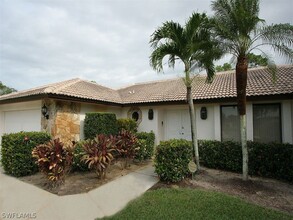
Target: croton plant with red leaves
98	155
126	145
54	160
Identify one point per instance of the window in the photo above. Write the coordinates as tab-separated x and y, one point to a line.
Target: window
267	123
135	114
230	123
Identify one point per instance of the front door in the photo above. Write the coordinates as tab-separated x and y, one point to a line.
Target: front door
177	125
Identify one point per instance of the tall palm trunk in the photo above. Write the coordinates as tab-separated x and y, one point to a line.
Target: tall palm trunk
192	118
241	82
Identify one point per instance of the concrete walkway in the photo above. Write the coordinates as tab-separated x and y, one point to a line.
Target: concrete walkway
24	201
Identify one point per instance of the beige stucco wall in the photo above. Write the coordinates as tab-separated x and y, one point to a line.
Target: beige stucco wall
210	129
66	118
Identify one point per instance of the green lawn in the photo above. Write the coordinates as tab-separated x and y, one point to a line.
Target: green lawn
193	204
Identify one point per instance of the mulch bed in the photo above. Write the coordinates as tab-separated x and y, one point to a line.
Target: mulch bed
82	182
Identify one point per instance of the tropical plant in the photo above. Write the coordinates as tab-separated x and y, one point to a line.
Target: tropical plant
98	153
193	45
54	160
5	89
224	67
126	145
239	31
127	124
256	60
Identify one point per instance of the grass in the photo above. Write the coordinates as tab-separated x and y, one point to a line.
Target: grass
193	204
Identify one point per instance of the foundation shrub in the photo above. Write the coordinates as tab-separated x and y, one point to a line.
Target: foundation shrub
54	159
146	145
172	158
17	152
99	123
127	124
78	153
221	155
271	160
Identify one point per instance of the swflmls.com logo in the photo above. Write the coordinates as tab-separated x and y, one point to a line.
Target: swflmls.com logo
18	215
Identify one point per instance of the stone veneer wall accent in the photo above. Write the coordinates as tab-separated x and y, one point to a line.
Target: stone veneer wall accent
67	121
64	120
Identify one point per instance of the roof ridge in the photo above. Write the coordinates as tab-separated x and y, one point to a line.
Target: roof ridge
97	84
54	88
149	82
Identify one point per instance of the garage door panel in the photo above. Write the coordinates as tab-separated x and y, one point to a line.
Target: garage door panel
24	120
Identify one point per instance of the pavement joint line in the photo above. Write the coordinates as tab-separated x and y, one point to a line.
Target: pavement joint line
100	208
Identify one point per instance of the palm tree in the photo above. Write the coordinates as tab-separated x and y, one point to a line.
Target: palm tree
240	31
192	45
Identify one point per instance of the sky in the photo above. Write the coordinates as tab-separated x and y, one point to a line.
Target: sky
106	41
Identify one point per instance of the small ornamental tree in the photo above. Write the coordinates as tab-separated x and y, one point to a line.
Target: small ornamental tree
126	145
54	160
99	153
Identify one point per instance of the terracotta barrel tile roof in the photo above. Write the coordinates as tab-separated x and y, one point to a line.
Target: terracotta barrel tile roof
223	86
75	88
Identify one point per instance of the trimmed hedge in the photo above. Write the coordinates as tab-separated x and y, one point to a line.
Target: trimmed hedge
99	123
221	155
127	124
17	152
271	160
78	152
146	147
171	160
268	160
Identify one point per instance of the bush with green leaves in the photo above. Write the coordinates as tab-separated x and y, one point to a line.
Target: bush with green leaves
54	159
17	152
141	152
226	155
127	124
146	145
271	160
172	158
99	123
78	153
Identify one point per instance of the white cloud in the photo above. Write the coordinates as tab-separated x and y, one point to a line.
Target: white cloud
105	40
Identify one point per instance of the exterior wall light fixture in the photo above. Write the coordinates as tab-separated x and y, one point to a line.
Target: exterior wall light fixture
203	113
45	111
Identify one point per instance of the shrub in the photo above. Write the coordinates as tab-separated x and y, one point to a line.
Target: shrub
268	160
99	123
17	152
126	145
78	153
99	153
127	124
146	147
271	160
141	152
221	155
172	158
54	160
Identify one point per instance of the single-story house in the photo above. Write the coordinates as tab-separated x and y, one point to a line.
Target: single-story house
159	106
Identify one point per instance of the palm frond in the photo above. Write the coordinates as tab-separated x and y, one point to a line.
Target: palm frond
157	56
169	31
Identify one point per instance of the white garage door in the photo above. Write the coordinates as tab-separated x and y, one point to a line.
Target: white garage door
177	125
25	120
